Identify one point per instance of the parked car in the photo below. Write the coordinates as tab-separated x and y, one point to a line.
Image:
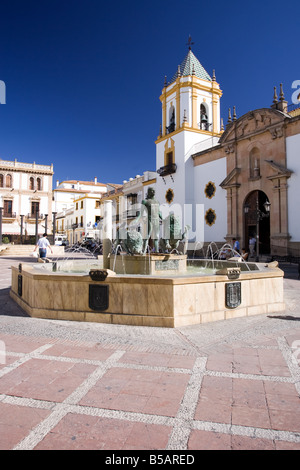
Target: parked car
61	240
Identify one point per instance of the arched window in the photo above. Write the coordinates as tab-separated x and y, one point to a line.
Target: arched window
39	184
8	181
171	127
1	181
31	183
254	163
204	125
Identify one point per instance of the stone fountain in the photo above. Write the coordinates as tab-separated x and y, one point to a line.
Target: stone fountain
146	280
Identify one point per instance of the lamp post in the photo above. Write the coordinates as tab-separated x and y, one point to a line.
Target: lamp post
21	229
259	215
46	223
54	226
36	225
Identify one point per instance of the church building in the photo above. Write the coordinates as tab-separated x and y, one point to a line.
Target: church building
240	181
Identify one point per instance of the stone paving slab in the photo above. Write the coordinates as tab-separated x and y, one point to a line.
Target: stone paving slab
231	385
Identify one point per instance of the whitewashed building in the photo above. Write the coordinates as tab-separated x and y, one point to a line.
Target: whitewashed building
135	191
25	198
190	121
218	179
76	205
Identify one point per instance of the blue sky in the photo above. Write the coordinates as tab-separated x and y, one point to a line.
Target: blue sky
83	77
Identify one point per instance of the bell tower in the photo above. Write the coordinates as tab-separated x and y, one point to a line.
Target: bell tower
190	122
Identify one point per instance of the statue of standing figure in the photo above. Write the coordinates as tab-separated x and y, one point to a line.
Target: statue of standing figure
150	206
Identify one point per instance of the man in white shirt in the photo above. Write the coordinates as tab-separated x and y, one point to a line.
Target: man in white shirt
42	245
252	243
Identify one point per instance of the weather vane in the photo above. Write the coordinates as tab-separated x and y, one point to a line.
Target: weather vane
190	43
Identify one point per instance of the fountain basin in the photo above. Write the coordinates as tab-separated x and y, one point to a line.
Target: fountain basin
165	300
153	264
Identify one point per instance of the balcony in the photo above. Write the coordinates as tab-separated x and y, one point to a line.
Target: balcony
9	215
32	216
131	213
167	169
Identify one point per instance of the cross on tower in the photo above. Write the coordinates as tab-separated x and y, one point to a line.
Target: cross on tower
190	43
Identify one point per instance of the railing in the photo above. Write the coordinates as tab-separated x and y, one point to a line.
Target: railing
32	215
9	215
131	213
74	226
167	169
16	164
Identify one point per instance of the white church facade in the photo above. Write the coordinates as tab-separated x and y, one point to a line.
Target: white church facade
240	181
191	122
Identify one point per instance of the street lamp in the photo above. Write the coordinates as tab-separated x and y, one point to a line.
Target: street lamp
259	216
21	228
267	206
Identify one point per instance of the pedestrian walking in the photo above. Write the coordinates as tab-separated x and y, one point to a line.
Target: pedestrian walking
42	245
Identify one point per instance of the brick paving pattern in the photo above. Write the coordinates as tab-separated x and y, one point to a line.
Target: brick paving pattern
228	385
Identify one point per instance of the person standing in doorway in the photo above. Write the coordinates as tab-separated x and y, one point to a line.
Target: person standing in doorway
236	245
42	245
252	243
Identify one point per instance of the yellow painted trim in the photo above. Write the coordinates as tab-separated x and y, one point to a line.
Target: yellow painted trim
146	183
191	84
177	109
111	197
194	109
169	149
164	113
198	131
87	197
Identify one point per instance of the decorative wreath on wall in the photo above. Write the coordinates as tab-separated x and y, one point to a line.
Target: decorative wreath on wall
210	190
169	196
210	217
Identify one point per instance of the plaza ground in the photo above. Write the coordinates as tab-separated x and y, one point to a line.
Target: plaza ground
231	384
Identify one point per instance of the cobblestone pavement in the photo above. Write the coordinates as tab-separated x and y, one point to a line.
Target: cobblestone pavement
232	384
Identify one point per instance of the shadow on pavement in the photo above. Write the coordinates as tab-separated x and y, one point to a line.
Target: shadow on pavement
8	307
284	317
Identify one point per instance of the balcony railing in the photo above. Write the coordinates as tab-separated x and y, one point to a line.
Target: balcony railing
9	215
167	169
130	213
32	215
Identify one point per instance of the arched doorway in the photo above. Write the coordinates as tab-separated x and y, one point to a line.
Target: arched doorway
257	221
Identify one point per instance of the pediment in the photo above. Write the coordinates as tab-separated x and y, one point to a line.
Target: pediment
254	122
280	170
230	179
